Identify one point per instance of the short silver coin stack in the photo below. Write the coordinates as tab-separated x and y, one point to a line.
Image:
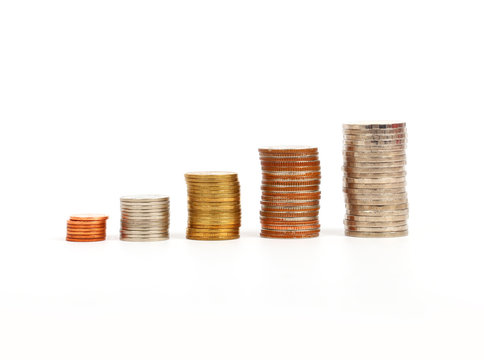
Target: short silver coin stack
145	218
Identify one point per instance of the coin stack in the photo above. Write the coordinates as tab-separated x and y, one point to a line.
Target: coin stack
290	192
145	218
86	227
374	180
213	205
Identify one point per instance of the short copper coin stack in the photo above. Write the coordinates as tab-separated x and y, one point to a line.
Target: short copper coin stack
86	227
374	180
145	218
213	205
290	192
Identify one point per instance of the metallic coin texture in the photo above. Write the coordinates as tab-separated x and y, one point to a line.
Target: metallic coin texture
214	211
291	177
86	227
145	217
374	180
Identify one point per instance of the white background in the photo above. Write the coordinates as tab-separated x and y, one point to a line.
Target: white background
100	99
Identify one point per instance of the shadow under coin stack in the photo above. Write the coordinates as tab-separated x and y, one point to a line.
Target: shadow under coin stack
145	218
86	227
290	192
213	205
374	180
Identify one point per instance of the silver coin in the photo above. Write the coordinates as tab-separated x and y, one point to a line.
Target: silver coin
377	192
375	223
376	235
384	180
373	186
144	223
136	217
145	211
376	207
374	161
378	196
372	175
392	169
143	197
375	126
378	150
144	239
381	218
144	232
384	137
353	202
377	229
375	132
399	155
375	143
145	208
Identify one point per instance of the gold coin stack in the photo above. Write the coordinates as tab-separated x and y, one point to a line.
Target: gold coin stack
290	192
213	205
145	218
374	180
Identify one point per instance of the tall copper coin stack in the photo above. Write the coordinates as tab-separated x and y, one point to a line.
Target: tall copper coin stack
374	180
86	227
213	205
290	192
145	218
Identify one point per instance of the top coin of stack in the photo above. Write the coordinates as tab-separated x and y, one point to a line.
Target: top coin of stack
290	192
374	180
145	218
86	227
213	205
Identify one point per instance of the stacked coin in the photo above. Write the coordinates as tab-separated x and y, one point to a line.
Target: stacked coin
145	218
374	180
290	192
213	205
86	227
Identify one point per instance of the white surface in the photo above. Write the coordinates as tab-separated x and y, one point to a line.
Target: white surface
101	99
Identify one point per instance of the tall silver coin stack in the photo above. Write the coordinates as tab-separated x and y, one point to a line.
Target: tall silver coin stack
145	218
374	180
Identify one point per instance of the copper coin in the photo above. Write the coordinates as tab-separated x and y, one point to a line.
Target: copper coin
290	182
78	235
84	240
290	168
82	235
87	217
289	150
87	226
266	221
87	239
278	227
290	207
290	163
274	196
289	214
86	223
76	231
289	158
284	205
290	188
284	177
